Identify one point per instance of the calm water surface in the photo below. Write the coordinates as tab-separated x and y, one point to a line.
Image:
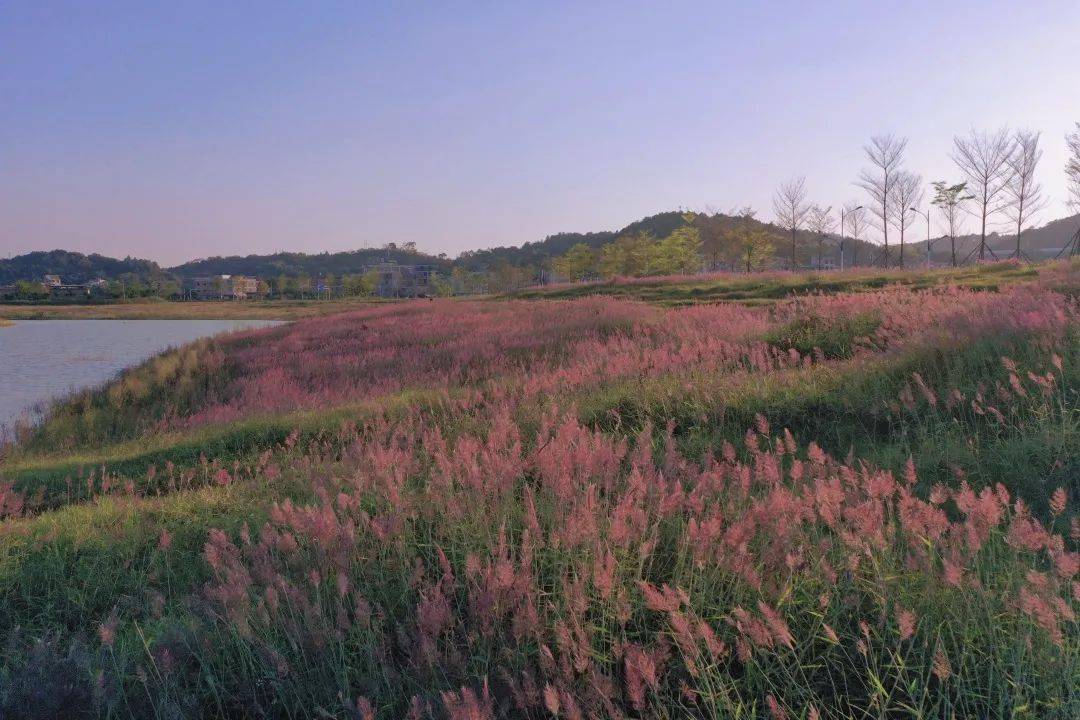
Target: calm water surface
44	359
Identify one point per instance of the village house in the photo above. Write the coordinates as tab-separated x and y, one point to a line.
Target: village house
56	287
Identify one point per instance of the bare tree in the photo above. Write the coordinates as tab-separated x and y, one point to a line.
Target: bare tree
984	159
1024	196
907	193
886	154
855	219
820	222
791	208
951	200
1072	169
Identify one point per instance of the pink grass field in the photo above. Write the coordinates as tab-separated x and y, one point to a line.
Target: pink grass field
838	506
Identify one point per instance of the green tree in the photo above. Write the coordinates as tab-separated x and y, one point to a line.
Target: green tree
26	290
577	263
951	199
679	253
715	241
441	285
467	282
507	278
627	255
752	243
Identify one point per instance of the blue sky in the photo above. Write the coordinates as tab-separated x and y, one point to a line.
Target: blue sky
181	130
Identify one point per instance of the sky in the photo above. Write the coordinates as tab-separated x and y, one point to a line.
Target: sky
173	131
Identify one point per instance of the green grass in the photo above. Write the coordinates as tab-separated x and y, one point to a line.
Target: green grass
51	479
157	309
845	408
766	288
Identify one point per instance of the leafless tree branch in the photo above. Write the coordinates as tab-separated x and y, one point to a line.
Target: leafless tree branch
886	155
791	209
983	158
1023	194
907	193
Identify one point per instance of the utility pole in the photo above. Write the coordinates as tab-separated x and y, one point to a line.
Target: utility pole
927	216
843	212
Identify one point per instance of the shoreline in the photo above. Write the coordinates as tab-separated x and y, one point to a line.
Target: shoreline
285	310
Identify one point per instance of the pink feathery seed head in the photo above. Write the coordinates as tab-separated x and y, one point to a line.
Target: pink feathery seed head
664	599
910	475
164	540
641	674
107	631
905	621
551	699
1058	501
776	710
364	709
1067	564
1042	612
942	667
467	705
952	574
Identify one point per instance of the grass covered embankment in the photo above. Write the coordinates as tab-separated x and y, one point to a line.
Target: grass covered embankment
763	288
156	309
855	504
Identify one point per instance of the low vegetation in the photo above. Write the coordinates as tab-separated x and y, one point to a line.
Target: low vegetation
157	309
767	287
855	500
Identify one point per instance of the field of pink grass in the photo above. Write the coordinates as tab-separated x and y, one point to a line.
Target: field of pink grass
838	506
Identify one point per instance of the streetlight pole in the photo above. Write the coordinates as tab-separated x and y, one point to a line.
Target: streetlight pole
843	212
927	216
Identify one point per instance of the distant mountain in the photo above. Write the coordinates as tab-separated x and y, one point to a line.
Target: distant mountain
1039	243
294	264
73	267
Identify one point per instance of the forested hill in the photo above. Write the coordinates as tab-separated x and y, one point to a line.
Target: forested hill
73	267
1039	243
539	252
294	264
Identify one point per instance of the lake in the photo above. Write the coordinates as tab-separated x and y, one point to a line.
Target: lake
44	359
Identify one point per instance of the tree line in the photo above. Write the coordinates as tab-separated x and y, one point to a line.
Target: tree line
996	180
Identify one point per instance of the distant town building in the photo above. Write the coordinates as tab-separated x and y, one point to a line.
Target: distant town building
399	281
223	287
57	288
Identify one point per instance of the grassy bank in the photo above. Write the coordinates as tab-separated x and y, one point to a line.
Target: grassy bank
842	505
768	287
167	310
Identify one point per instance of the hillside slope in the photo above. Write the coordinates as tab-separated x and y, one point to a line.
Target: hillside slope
73	267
